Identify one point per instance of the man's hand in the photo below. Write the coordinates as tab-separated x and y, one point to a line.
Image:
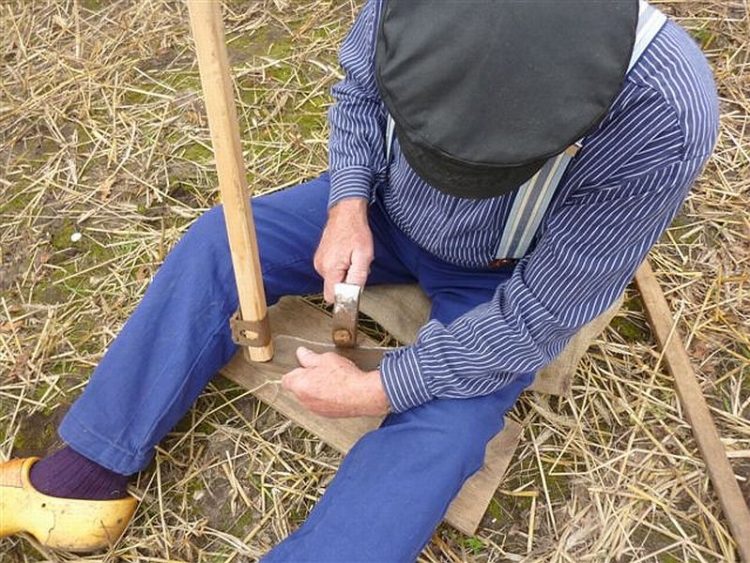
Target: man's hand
331	385
346	250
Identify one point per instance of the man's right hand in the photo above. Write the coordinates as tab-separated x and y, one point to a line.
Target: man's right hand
346	249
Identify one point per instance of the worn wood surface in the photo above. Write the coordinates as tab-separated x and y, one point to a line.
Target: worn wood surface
210	48
695	408
403	309
294	316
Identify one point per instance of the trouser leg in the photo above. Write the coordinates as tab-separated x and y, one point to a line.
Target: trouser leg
178	337
395	485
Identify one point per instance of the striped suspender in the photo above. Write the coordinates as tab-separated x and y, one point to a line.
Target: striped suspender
389	127
529	207
533	198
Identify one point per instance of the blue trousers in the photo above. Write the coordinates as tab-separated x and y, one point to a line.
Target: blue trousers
396	483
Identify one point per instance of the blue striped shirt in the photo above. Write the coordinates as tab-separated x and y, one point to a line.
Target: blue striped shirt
615	200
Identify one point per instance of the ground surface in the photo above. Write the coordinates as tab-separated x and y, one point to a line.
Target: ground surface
102	134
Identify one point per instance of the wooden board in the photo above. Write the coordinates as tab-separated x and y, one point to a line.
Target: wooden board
696	409
294	316
403	309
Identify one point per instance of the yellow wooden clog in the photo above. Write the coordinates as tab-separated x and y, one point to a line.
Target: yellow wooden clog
58	523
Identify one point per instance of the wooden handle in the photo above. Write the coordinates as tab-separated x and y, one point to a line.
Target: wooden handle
213	63
695	408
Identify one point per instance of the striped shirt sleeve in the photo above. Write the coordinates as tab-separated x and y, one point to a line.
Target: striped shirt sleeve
589	249
357	117
578	269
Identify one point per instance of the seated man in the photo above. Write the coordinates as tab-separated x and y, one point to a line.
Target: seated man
467	192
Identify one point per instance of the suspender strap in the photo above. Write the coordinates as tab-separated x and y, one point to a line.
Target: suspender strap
533	198
529	206
389	128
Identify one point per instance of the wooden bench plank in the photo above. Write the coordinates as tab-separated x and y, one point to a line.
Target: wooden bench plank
294	316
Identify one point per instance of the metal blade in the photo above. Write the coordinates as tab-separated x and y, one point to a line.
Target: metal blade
345	312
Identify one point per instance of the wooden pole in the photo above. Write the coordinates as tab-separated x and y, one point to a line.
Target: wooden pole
213	63
695	408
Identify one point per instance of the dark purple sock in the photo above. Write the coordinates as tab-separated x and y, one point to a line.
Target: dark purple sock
68	474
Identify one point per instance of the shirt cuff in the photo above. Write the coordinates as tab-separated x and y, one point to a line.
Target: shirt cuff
355	181
402	379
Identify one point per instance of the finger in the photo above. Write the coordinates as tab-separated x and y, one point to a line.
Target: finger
287	381
307	358
290	380
360	268
333	360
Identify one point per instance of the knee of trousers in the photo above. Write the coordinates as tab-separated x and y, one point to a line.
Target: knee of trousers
204	249
208	233
203	257
448	431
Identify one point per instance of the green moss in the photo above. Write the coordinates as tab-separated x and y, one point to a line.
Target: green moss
182	80
669	558
473	544
242	523
633	302
248	91
88	250
61	237
84	137
244	41
18	202
705	37
146	91
136	97
495	510
20	441
99	252
48	293
297	515
310	123
321	33
558	486
628	330
280	48
92	5
69	259
243	46
35	436
682	230
193	486
75	286
508	509
280	72
197	152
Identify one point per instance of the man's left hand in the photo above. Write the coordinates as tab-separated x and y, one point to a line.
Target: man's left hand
331	385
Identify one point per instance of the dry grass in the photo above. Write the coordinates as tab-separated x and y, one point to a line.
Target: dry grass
102	133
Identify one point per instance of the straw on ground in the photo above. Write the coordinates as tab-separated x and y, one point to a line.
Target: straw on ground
102	134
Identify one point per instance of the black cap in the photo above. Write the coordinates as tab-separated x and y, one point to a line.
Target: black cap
483	92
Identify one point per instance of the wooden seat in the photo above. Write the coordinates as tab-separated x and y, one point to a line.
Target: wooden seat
402	310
